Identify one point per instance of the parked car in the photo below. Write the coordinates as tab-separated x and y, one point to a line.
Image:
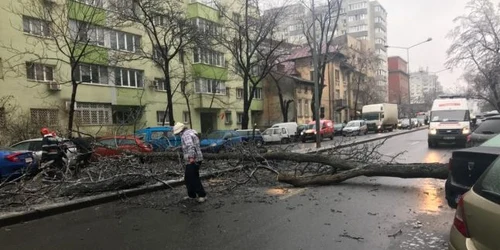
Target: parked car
35	146
485	131
337	128
276	135
14	163
113	146
220	141
160	138
251	135
326	131
301	128
476	223
355	127
466	165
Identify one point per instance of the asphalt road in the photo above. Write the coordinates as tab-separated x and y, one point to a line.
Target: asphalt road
365	213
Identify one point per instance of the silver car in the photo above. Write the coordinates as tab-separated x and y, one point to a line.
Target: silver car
356	127
35	145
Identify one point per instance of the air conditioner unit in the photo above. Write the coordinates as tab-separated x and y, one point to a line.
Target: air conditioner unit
54	86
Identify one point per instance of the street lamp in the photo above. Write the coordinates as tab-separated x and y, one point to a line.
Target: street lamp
408	64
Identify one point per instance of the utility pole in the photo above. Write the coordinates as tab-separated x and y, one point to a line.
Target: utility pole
315	78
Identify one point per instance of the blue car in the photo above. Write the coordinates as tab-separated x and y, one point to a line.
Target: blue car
14	163
251	136
221	141
161	138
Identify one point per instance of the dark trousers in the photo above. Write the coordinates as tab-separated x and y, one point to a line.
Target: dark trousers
192	180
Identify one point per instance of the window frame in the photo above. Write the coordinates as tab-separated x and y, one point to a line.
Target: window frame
35	74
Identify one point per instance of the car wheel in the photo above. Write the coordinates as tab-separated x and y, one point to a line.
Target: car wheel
366	132
303	140
431	145
331	137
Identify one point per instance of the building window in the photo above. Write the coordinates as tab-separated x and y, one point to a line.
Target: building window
306	89
358	28
380	41
128	78
257	93
94	113
239	93
36	26
299	108
306	108
124	115
228	118
337	77
185	117
379	20
209	86
46	117
210	57
160	84
88	73
337	94
210	3
239	117
356	6
124	41
96	3
86	33
159	118
39	72
207	27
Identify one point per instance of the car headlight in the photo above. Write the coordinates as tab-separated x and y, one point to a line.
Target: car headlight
432	131
213	144
379	126
465	131
302	133
314	132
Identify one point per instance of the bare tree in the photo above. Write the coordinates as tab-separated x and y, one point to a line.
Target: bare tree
171	34
361	66
325	21
284	100
63	35
476	47
248	37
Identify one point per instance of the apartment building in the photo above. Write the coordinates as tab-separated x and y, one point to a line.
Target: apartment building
113	94
398	80
424	84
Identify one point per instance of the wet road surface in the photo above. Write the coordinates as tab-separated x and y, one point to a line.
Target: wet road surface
364	213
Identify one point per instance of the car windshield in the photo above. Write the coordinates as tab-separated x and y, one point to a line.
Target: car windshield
337	126
216	135
311	126
449	116
371	116
489	127
352	124
493	142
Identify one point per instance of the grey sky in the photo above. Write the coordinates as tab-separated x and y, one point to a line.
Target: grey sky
412	21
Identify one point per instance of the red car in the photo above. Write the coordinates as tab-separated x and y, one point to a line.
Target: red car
112	146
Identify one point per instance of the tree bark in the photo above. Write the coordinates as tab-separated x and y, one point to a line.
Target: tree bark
114	183
71	115
414	170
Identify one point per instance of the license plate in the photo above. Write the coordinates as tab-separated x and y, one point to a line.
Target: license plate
28	160
449	137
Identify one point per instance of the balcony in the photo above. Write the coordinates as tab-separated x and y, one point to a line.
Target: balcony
203	10
209	101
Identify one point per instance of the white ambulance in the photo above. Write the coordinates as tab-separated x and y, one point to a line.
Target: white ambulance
450	121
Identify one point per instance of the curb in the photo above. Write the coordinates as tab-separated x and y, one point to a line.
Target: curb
313	151
42	211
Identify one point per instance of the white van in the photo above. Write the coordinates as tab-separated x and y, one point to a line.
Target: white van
291	128
449	121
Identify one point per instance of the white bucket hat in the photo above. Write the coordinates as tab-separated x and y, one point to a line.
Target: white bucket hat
178	127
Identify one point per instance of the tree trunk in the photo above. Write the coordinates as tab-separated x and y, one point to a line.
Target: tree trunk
71	115
356	98
168	89
416	170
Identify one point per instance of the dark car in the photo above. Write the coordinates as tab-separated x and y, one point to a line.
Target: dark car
220	141
489	128
337	128
251	135
466	165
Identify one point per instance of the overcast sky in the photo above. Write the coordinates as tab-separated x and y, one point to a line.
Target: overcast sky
412	21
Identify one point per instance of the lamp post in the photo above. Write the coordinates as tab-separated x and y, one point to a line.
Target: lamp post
408	65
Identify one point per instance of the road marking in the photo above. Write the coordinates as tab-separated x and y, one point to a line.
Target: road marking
292	192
